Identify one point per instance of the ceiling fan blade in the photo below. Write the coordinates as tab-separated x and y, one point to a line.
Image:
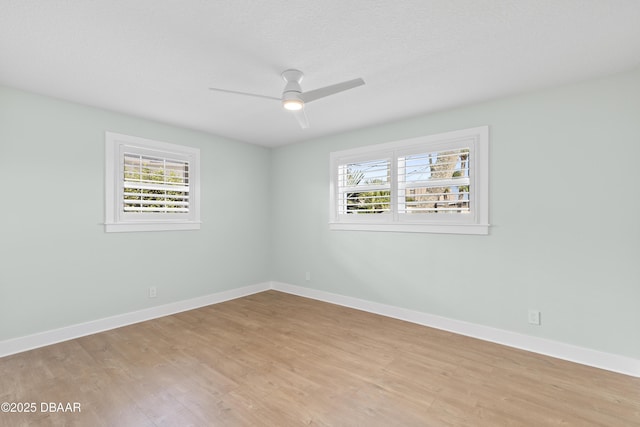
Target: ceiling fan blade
244	93
301	116
312	95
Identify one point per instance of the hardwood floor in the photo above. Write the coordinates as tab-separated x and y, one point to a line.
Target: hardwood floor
273	359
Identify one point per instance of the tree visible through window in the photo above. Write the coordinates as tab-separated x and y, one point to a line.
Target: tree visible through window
154	184
366	187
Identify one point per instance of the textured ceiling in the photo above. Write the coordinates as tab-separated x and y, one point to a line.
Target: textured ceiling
157	58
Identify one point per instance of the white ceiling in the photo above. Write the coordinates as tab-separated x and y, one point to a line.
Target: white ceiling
157	58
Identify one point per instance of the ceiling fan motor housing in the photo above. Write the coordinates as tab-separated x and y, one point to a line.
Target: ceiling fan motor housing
291	99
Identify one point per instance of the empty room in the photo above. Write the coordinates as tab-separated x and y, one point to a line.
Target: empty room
333	213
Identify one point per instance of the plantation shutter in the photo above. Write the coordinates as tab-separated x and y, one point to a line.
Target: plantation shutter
434	182
364	187
155	184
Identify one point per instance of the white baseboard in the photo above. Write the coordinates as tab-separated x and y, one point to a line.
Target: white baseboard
611	362
29	342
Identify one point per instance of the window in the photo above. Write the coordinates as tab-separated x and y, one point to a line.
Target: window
150	185
434	184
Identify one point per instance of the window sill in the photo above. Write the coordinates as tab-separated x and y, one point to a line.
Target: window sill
150	226
478	229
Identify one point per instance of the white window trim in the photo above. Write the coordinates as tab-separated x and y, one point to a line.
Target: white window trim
115	221
477	222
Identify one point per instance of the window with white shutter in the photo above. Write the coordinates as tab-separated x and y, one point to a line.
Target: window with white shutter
437	183
155	184
365	187
434	182
150	185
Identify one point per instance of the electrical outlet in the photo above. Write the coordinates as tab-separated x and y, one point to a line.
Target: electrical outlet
534	317
153	292
307	276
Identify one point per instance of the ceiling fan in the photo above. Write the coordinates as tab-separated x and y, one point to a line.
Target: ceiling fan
294	99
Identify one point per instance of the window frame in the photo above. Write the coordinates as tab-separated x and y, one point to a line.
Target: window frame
116	219
475	222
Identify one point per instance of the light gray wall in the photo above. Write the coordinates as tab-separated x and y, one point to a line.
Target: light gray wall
57	265
564	209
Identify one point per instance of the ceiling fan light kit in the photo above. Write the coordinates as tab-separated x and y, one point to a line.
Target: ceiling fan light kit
292	104
293	99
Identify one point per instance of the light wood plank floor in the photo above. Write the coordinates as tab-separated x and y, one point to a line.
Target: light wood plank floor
274	359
